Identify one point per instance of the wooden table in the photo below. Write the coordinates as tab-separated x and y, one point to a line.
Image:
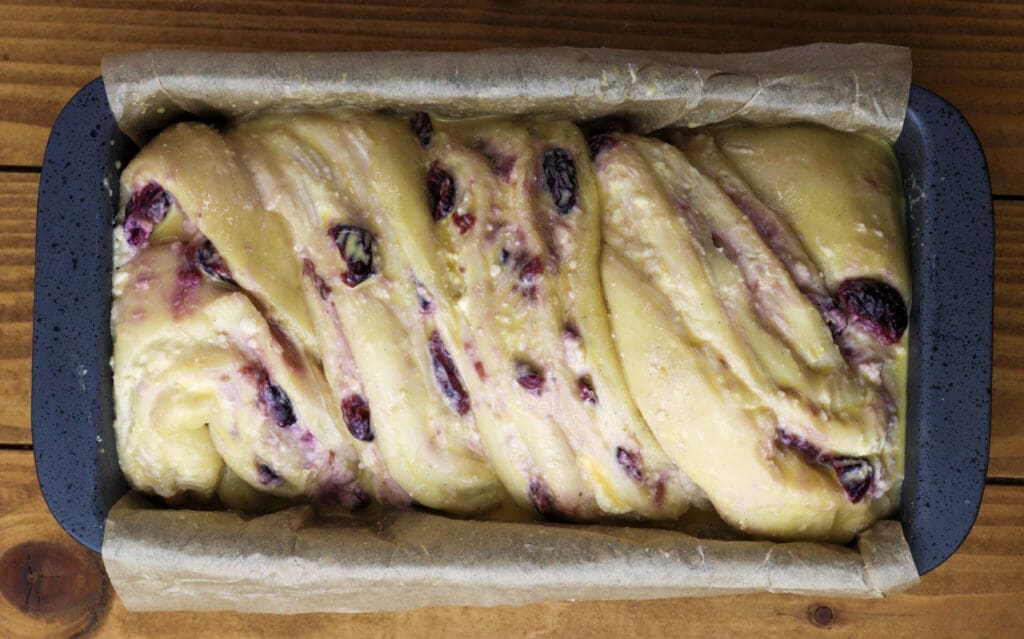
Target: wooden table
972	54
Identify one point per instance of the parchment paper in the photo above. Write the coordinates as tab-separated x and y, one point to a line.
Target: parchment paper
858	87
293	562
308	560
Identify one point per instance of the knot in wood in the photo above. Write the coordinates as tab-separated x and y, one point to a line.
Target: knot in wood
43	578
822	616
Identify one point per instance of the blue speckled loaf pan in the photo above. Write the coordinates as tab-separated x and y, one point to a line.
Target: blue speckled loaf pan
951	251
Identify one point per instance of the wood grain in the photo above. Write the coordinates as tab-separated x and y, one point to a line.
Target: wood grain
1007	456
987	572
50	586
17	263
970	53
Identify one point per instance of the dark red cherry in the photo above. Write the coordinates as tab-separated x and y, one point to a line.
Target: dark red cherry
530	377
422	127
560	178
876	306
599	143
464	222
545	502
357	247
440	192
356	412
212	263
856	475
447	375
274	400
267	476
532	271
630	462
146	208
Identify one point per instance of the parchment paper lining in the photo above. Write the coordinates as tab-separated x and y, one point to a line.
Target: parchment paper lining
858	87
295	561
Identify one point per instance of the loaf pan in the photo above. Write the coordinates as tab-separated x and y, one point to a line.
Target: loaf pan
950	233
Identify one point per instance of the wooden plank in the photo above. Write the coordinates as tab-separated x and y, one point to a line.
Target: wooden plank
972	54
977	593
17	264
50	586
1007	455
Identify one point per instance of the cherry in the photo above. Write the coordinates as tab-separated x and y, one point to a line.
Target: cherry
560	178
356	412
601	142
876	306
530	378
212	263
447	375
357	247
544	501
855	474
440	192
464	222
267	476
146	208
630	462
422	127
274	400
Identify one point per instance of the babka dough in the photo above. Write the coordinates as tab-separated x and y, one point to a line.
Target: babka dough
338	306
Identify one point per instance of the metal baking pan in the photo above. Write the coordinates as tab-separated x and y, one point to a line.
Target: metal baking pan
951	251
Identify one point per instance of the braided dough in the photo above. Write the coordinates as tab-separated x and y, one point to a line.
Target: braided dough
343	306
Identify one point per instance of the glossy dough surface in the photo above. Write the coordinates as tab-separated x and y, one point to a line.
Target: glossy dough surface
344	306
